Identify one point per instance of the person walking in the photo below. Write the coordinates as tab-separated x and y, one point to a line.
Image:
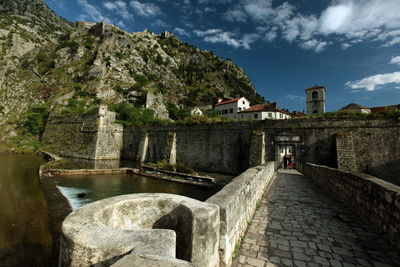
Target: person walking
285	161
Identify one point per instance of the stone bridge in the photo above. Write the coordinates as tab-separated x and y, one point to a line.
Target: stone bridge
326	217
297	224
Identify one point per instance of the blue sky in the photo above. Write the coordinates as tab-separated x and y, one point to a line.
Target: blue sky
352	47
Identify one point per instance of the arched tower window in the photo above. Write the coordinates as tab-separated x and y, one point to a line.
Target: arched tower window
314	95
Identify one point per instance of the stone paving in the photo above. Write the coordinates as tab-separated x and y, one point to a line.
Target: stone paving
297	224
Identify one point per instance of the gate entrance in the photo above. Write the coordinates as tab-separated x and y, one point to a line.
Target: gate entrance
287	144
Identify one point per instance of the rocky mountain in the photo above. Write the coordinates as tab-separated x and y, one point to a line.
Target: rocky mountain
46	59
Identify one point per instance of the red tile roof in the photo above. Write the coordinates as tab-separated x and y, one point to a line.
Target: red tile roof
380	109
298	114
228	101
264	107
315	88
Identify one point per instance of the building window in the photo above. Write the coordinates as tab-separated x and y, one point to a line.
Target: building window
315	111
231	110
241	116
243	102
269	115
255	116
314	95
281	115
240	109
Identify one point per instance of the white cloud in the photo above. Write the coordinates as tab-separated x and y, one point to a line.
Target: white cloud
375	82
220	36
182	32
145	9
347	21
92	13
160	23
296	98
395	60
233	15
346	45
59	4
336	18
270	36
313	44
120	7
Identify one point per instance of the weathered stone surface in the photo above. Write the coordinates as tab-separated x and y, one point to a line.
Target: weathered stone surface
134	260
147	224
237	202
228	147
299	207
368	196
88	136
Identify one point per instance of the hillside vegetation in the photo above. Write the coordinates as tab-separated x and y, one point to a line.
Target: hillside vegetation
72	67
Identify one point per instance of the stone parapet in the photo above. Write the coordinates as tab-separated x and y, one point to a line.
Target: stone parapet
237	202
158	228
372	198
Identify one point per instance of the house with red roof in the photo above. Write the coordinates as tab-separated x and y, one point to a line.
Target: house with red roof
230	108
265	111
385	108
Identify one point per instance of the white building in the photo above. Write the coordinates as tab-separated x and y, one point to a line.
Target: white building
231	107
356	108
264	111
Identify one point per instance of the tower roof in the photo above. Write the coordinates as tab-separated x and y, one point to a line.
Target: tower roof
316	87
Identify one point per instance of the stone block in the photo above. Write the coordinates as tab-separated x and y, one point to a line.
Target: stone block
161	225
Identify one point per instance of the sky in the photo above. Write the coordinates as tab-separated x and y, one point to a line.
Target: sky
351	47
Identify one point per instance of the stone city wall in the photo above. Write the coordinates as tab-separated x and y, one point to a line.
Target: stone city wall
219	148
374	199
86	136
233	147
237	202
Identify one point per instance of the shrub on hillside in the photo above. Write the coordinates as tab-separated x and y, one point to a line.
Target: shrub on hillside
128	115
34	121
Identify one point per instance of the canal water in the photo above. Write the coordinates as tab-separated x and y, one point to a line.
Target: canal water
25	239
84	189
24	236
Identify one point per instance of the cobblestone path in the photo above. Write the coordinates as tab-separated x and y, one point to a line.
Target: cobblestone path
299	225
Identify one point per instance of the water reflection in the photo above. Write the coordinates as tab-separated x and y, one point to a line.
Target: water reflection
24	236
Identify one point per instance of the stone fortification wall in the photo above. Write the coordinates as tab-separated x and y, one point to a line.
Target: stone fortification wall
220	147
237	202
375	200
233	147
87	136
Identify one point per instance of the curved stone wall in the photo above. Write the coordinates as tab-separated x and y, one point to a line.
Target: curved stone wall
147	226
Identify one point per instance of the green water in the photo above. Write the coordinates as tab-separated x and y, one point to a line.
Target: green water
24	236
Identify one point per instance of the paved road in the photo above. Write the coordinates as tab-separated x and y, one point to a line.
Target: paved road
299	225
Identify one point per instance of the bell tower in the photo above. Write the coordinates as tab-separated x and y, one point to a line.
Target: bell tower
315	100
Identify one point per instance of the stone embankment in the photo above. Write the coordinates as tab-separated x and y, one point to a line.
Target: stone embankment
205	233
372	198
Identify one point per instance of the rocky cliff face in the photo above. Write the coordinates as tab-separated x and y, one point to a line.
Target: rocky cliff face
49	60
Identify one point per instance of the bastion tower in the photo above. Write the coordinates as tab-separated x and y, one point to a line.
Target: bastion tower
315	100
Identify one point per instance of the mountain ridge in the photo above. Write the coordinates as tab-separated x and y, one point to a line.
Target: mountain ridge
50	60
